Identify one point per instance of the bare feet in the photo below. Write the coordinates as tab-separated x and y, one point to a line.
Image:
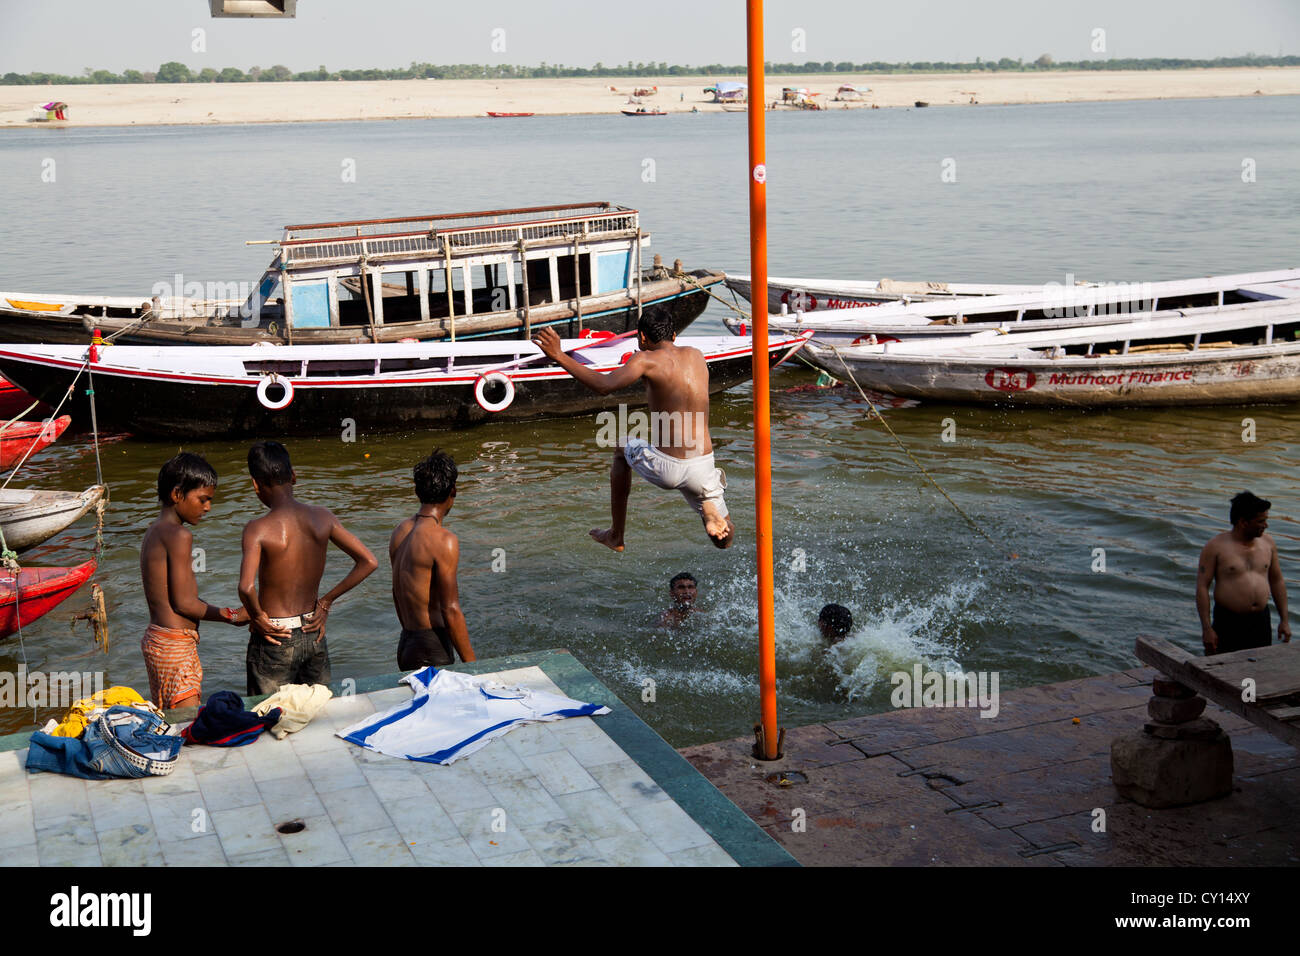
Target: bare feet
719	528
608	538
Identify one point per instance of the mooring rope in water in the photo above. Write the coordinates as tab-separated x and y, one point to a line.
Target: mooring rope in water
710	293
971	521
53	417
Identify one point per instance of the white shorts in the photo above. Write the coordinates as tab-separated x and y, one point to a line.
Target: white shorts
696	478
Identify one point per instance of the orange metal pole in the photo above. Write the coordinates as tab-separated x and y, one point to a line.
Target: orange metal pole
767	748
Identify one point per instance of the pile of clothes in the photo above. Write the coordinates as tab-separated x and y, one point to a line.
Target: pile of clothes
115	733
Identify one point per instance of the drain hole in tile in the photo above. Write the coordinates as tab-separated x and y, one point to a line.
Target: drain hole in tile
786	778
293	826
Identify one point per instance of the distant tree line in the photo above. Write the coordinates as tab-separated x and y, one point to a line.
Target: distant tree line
174	72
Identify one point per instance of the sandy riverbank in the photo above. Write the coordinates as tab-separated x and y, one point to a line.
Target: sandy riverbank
166	104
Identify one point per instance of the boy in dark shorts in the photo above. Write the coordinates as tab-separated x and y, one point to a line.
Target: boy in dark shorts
425	556
279	580
1242	564
186	486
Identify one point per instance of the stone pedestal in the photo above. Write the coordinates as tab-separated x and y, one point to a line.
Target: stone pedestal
1179	757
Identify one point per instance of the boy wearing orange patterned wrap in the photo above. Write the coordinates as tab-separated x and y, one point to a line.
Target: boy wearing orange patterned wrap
186	485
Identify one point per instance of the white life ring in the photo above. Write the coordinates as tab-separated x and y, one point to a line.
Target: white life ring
265	384
481	385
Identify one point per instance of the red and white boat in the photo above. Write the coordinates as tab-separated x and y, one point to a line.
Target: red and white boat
215	391
37	591
17	439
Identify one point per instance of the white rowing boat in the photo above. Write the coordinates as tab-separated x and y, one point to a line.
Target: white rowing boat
1051	307
787	294
29	516
1236	354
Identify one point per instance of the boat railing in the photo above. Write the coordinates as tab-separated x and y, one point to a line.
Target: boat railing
327	242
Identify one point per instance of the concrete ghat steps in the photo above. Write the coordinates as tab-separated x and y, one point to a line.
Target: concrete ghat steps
943	786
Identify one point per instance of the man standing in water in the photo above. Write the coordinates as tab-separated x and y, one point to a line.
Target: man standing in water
677	388
1242	564
424	555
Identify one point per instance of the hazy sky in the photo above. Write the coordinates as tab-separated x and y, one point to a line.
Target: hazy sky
65	36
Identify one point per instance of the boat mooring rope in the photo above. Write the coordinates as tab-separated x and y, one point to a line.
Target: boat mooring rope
874	411
921	468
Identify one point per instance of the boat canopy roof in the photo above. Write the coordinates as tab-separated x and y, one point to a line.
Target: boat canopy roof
423	236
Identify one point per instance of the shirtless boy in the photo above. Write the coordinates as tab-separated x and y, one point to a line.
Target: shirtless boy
186	485
279	580
1243	565
424	556
677	387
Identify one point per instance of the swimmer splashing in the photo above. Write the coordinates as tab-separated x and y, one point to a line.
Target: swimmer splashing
680	453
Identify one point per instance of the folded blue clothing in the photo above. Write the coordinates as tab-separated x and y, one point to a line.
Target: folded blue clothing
223	722
122	742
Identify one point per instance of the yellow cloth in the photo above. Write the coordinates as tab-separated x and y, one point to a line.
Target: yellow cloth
298	704
81	713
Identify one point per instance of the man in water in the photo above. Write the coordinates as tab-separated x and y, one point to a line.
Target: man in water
677	388
1242	564
835	621
683	590
425	555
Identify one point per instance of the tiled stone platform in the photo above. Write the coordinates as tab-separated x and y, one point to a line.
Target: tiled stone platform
947	787
580	791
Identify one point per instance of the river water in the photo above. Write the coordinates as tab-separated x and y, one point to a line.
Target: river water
1109	192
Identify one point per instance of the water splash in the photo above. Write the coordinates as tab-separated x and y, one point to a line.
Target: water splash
897	636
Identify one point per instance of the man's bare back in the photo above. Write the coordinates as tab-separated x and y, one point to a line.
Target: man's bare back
425	557
291	541
677	384
412	551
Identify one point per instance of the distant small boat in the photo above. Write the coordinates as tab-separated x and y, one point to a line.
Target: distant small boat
921	103
36	592
642	111
18	438
499	115
30	516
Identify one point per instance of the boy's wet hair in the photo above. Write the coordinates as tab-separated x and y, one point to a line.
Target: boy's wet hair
683	576
268	463
656	327
836	619
185	472
1246	506
435	477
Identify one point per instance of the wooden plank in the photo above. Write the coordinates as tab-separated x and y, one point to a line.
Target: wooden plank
1279	678
1194	672
1284	713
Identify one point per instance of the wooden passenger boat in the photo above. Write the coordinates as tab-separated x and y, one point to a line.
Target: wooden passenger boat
494	274
309	389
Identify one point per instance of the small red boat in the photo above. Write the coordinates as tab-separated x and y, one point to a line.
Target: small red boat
38	591
14	401
490	113
21	436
